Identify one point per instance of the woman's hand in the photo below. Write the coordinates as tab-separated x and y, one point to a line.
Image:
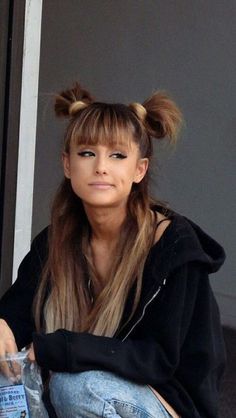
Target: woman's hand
31	355
10	369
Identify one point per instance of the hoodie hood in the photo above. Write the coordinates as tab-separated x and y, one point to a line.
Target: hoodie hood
208	249
184	241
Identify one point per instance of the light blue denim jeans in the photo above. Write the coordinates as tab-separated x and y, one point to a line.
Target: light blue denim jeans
102	394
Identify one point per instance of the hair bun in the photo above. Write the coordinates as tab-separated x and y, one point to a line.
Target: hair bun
164	118
139	110
69	102
76	106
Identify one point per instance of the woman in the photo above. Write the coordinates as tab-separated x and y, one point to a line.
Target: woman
124	317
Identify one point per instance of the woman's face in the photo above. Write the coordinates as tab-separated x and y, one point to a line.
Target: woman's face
102	176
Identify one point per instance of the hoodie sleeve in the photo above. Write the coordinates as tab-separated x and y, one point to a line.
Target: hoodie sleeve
154	350
16	304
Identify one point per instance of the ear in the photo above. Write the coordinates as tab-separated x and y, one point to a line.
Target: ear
141	169
66	164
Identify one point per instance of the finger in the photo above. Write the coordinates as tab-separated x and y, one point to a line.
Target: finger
9	369
14	365
15	368
5	370
31	355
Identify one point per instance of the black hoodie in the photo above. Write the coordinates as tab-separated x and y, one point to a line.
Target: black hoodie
174	340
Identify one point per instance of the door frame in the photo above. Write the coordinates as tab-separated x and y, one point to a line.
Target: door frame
20	54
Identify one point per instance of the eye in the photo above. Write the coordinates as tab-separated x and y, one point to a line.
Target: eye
86	153
119	155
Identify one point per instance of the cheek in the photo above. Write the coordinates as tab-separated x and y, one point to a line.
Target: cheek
131	174
76	176
127	179
77	168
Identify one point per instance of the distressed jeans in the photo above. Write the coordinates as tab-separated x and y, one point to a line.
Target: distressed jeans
102	394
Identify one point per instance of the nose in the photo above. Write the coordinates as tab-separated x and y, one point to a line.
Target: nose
101	171
100	167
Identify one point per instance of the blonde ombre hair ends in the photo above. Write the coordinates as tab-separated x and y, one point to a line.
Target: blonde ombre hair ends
64	295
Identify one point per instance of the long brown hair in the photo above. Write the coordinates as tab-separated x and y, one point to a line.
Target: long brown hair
64	294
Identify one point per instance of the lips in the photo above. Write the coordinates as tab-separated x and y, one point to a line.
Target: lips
101	185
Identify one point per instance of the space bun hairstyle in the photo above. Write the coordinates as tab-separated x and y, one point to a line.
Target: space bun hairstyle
98	122
69	102
160	116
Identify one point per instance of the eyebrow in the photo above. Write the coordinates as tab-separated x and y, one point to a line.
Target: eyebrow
113	145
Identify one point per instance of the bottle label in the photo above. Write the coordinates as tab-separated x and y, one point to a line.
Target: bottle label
13	402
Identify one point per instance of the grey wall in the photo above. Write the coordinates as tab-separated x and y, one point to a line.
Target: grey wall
122	51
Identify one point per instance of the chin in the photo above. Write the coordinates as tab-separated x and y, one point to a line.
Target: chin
104	204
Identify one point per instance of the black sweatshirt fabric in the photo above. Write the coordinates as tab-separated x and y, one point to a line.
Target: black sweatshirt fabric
174	340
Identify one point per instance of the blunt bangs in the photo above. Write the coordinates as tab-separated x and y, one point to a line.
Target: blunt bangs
105	124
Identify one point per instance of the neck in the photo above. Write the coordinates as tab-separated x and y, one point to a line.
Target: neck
105	223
